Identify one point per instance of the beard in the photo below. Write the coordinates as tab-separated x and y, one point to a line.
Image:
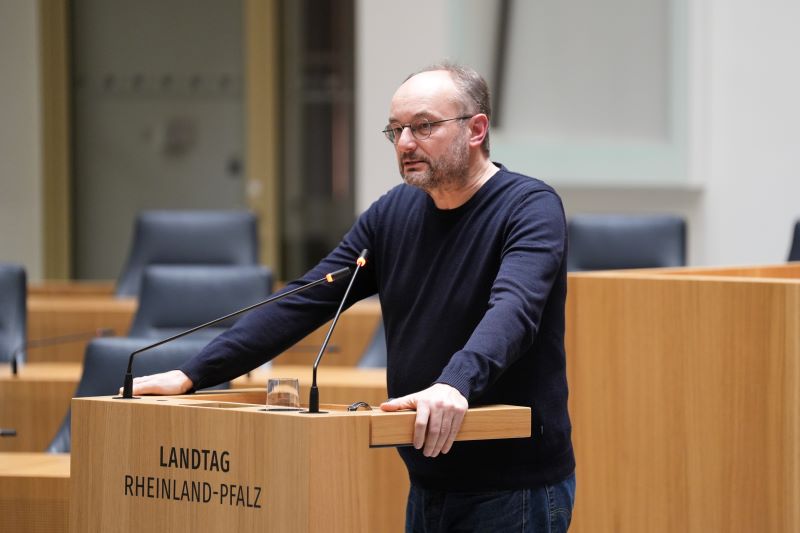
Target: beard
448	169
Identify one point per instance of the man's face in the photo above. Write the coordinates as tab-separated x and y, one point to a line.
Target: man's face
443	158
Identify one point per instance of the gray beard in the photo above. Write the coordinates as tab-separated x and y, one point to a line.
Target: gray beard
450	169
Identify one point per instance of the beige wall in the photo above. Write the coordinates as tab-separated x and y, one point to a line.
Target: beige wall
741	195
743	113
20	137
752	193
386	53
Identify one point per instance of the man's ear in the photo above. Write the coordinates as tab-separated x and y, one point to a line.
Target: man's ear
478	128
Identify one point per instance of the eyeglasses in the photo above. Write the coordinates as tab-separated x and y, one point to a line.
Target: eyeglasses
420	128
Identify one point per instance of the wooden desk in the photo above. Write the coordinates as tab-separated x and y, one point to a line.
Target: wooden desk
351	337
34	403
34	492
56	312
685	399
72	288
56	316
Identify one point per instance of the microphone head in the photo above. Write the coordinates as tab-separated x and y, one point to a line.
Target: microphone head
362	259
333	276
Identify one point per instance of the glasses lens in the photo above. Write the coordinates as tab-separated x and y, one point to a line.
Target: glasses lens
393	132
421	129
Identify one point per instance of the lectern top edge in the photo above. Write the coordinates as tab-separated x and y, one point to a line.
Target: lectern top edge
386	429
786	273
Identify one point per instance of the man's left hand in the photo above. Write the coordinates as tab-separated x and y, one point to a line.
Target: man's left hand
440	411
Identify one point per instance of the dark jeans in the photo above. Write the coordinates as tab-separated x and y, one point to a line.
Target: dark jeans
546	509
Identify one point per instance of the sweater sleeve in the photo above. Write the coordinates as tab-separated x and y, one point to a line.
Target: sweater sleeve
532	259
266	332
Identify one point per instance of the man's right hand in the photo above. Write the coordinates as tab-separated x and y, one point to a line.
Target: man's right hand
167	383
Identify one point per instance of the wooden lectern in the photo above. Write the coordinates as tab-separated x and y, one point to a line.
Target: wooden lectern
685	399
221	462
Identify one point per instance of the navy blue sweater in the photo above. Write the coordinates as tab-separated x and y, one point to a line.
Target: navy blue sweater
472	297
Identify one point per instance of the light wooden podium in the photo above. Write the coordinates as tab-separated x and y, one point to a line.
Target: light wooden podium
685	399
220	462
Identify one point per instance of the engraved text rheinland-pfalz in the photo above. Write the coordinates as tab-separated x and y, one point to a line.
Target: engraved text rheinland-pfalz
193	490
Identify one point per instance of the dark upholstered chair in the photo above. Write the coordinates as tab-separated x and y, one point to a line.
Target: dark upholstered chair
104	365
13	325
794	252
610	242
177	298
188	238
375	354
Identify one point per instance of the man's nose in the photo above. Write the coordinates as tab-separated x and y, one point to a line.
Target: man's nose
406	142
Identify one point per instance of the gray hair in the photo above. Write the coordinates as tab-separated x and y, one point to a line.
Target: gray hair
472	88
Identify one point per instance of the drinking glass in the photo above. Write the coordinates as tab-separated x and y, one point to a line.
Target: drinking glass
283	394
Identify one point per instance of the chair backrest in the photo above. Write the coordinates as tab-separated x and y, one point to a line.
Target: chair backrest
13	324
375	355
104	365
610	242
794	252
177	298
188	238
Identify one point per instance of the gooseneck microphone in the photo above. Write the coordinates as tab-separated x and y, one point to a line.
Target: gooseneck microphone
127	386
313	395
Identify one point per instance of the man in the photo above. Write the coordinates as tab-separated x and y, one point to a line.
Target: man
469	261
